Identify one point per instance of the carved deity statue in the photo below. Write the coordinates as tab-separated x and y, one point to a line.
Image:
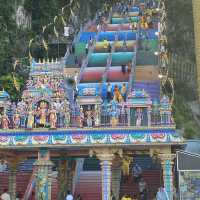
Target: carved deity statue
126	165
42	113
16	120
42	182
67	117
53	118
123	114
89	118
30	120
5	121
114	114
139	117
97	115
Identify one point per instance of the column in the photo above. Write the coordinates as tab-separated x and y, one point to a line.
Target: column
13	163
71	173
12	181
62	178
149	116
167	161
116	176
43	175
129	116
106	156
106	178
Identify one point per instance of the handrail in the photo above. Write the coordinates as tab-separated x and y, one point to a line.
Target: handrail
86	60
30	186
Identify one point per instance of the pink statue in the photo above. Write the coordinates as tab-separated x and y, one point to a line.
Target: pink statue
5	121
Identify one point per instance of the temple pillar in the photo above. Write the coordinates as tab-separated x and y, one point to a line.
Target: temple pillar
116	176
71	173
62	179
66	173
106	156
129	116
12	181
43	175
149	116
13	163
167	162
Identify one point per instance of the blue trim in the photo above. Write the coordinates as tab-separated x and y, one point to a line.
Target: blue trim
86	132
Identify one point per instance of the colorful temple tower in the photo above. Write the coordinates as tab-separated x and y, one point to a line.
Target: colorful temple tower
114	110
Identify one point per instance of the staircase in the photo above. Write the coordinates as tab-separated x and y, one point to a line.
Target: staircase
152	178
22	180
151	174
3	181
89	185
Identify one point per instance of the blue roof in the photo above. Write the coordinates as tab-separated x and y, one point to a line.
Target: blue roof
193	146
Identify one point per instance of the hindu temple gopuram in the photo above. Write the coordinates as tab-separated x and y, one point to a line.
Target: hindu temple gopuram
84	121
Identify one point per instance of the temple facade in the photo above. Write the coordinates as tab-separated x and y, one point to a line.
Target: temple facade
111	108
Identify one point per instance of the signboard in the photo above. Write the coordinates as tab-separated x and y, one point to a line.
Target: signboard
188	165
189	185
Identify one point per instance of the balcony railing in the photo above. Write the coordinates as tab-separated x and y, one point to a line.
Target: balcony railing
86	119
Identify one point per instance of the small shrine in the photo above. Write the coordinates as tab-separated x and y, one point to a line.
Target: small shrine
139	107
90	105
166	111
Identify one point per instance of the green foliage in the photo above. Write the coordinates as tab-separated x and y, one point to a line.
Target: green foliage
8	84
180	33
184	118
180	28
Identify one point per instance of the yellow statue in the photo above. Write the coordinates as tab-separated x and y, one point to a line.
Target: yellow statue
126	165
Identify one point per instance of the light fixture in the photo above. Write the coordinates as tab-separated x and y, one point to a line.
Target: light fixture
157	9
156	53
157	33
160	76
